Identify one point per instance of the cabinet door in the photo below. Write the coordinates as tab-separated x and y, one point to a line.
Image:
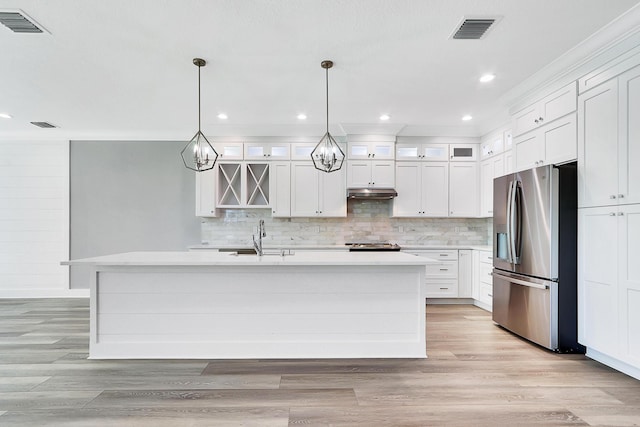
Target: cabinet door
358	173
486	188
508	162
408	186
382	150
280	182
560	140
304	189
229	151
333	193
597	279
629	282
525	120
598	146
465	273
302	150
206	193
463	189
408	151
257	185
435	189
383	174
529	151
435	152
558	104
229	184
463	152
359	150
629	148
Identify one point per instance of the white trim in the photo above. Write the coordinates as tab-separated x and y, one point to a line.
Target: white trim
614	363
44	293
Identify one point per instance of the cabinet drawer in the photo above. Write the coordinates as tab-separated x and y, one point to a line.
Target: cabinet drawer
486	293
442	269
443	255
444	289
485	274
485	257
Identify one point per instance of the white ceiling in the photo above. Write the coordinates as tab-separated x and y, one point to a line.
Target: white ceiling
124	68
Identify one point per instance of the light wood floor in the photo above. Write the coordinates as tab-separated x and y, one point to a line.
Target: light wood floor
477	374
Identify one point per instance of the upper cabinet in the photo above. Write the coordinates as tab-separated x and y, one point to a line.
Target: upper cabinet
492	145
548	109
609	142
550	144
315	193
463	152
372	150
463	189
266	151
422	151
242	185
229	150
206	193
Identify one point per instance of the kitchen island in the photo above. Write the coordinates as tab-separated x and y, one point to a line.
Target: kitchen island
222	305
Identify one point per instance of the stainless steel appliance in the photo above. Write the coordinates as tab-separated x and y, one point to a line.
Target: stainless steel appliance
373	246
534	255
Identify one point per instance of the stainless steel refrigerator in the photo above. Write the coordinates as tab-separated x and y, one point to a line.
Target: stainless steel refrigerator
535	255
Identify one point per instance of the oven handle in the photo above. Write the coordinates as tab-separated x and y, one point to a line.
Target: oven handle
519	281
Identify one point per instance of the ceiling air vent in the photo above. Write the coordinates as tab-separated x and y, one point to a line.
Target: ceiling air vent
18	22
45	125
473	28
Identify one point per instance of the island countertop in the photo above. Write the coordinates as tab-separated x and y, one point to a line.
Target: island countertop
212	258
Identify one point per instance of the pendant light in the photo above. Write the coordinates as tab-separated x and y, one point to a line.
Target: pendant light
198	154
327	156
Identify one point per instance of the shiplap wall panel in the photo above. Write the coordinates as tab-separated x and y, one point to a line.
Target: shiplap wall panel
34	218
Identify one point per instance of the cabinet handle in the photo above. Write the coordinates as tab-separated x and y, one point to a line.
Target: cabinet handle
373	183
444	254
373	155
444	269
491	295
620	213
444	288
542	162
490	274
613	196
536	120
620	196
612	214
369	155
541	119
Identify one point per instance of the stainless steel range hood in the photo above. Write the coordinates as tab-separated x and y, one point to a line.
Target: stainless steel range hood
371	193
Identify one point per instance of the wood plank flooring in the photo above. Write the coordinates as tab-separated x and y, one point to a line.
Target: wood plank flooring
477	374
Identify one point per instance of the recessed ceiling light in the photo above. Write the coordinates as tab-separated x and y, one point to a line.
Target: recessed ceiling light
385	117
487	78
302	116
5	115
467	118
223	116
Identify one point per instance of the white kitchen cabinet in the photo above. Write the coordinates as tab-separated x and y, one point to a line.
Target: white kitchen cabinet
229	150
442	274
463	152
422	151
280	188
422	189
609	142
316	193
509	166
242	185
206	193
489	169
552	107
553	143
370	174
465	274
302	150
482	291
463	189
266	151
381	150
492	145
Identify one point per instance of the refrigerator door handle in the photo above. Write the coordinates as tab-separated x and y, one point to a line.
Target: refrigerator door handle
517	227
511	237
520	282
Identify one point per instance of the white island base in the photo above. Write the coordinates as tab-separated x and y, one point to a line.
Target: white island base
220	306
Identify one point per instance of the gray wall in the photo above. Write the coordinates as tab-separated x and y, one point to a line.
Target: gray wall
129	196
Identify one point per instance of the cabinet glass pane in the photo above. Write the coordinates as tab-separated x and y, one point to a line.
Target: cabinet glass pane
461	152
435	152
359	150
304	151
254	151
280	151
383	150
408	152
232	151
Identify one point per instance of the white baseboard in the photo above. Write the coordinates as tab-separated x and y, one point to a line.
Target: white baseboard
44	293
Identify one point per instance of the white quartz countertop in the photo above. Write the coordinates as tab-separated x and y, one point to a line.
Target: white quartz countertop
343	247
213	258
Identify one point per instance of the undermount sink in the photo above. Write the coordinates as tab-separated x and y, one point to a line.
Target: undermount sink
239	251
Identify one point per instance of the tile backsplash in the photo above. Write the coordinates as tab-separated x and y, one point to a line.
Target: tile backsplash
366	221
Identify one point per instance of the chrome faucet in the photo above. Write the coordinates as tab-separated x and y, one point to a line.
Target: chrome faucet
261	233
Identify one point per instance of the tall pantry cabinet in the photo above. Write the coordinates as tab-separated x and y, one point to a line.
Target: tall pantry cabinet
609	218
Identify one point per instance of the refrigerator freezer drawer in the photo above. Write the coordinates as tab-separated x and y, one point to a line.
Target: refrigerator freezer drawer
527	309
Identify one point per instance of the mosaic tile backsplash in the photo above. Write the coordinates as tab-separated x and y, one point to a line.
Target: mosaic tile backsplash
366	221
